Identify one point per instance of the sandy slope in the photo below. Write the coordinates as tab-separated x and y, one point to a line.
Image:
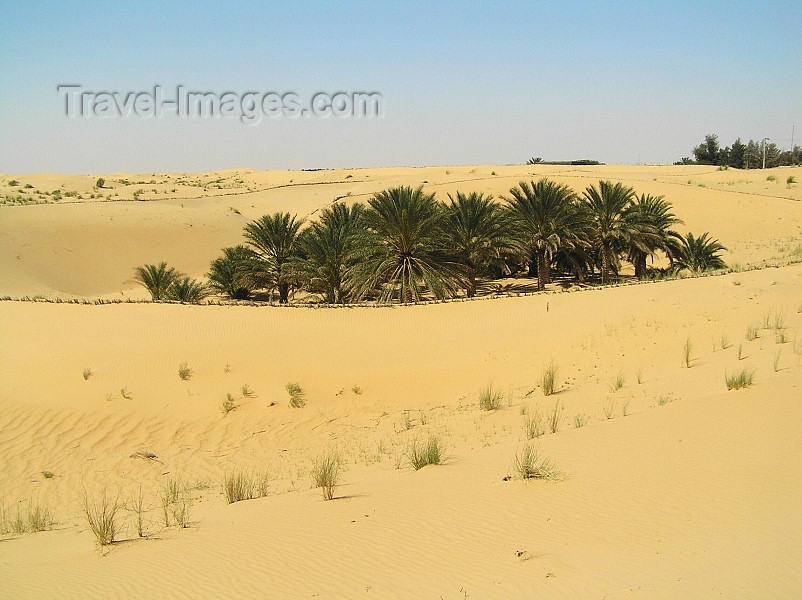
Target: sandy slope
696	498
693	498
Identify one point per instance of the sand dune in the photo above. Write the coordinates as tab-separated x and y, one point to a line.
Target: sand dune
693	494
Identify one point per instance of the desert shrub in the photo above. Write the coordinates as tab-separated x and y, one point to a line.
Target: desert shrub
184	371
228	405
534	426
580	420
617	383
239	485
87	373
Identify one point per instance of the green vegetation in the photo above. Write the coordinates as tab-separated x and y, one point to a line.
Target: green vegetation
430	453
739	380
228	405
326	473
534	426
101	515
548	379
297	395
743	156
184	372
240	485
490	399
580	420
87	373
687	353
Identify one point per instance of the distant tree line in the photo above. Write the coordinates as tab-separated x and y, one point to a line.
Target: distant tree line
405	245
740	155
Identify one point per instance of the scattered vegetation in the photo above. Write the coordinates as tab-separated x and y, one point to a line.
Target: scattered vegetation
247	392
87	373
534	426
228	405
554	417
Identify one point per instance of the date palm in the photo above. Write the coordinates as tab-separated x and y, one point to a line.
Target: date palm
655	212
401	250
186	289
157	279
328	249
613	222
545	218
273	240
229	274
475	232
700	253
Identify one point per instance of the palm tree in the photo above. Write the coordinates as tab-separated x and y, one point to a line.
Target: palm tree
613	222
545	218
328	251
186	289
157	279
656	213
273	241
401	249
228	274
474	232
700	254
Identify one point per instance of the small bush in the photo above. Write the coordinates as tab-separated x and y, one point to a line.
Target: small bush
737	381
39	518
228	405
771	178
247	392
663	400
431	453
184	372
548	379
101	515
100	182
528	464
740	351
48	474
725	341
357	390
580	420
297	395
326	473
617	383
136	506
781	338
489	399
790	181
87	373
752	332
609	408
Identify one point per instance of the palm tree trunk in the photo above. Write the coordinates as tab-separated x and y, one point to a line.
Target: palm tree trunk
606	260
283	293
640	265
470	291
532	264
542	269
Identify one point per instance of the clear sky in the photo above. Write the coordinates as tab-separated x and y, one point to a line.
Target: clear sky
462	82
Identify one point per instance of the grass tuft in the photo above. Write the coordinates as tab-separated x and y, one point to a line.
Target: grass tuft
609	408
326	473
737	381
548	379
489	399
534	426
247	392
617	383
528	464
752	332
663	400
101	515
580	420
687	350
239	485
297	395
87	373
228	405
431	453
554	417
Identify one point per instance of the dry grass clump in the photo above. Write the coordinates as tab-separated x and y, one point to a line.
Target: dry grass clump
548	379
326	473
554	417
534	426
247	392
490	399
176	502
528	464
739	380
687	350
580	420
609	408
239	485
431	453
617	383
297	395
101	515
87	373
752	332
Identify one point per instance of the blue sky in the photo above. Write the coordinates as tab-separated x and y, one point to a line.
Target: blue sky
463	83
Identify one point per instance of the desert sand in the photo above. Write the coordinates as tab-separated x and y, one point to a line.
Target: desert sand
674	487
